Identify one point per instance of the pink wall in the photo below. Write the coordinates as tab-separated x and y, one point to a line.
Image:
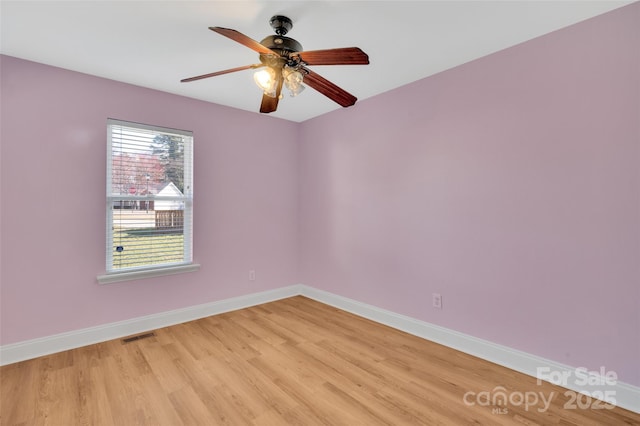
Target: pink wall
510	185
53	205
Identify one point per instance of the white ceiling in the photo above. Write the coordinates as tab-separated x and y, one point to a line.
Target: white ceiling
155	44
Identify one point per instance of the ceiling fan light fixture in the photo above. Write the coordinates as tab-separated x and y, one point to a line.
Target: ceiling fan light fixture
295	91
266	81
293	81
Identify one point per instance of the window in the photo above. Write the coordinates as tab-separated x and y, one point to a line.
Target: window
149	201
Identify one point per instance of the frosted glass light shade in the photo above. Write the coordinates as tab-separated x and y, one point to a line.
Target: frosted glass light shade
266	81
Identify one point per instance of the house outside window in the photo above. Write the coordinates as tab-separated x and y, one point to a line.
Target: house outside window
149	201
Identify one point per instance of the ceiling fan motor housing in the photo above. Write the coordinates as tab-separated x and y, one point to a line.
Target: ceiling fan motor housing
283	46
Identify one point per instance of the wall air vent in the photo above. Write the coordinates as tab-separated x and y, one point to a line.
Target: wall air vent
138	337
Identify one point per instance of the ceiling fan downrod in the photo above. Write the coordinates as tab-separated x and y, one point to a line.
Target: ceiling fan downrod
281	24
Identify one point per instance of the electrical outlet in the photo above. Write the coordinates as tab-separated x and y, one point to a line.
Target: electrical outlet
252	275
437	301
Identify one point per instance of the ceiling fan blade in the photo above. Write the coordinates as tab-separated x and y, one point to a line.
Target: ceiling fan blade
270	104
328	89
243	39
213	74
341	56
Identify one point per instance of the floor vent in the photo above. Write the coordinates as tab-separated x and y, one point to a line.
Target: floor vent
138	337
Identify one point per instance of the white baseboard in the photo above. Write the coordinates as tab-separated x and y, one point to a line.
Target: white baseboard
74	339
626	396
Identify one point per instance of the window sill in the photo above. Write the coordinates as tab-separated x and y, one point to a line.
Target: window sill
148	273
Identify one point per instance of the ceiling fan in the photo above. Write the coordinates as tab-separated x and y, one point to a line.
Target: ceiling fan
285	63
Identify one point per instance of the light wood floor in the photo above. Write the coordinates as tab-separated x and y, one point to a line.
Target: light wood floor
290	362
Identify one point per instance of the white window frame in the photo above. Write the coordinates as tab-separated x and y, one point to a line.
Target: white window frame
151	270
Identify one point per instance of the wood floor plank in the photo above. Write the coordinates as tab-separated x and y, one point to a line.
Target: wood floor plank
290	362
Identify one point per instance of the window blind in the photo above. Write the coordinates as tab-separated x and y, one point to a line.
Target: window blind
149	197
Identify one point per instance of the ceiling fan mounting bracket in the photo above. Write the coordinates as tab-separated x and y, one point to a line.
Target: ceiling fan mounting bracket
281	24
